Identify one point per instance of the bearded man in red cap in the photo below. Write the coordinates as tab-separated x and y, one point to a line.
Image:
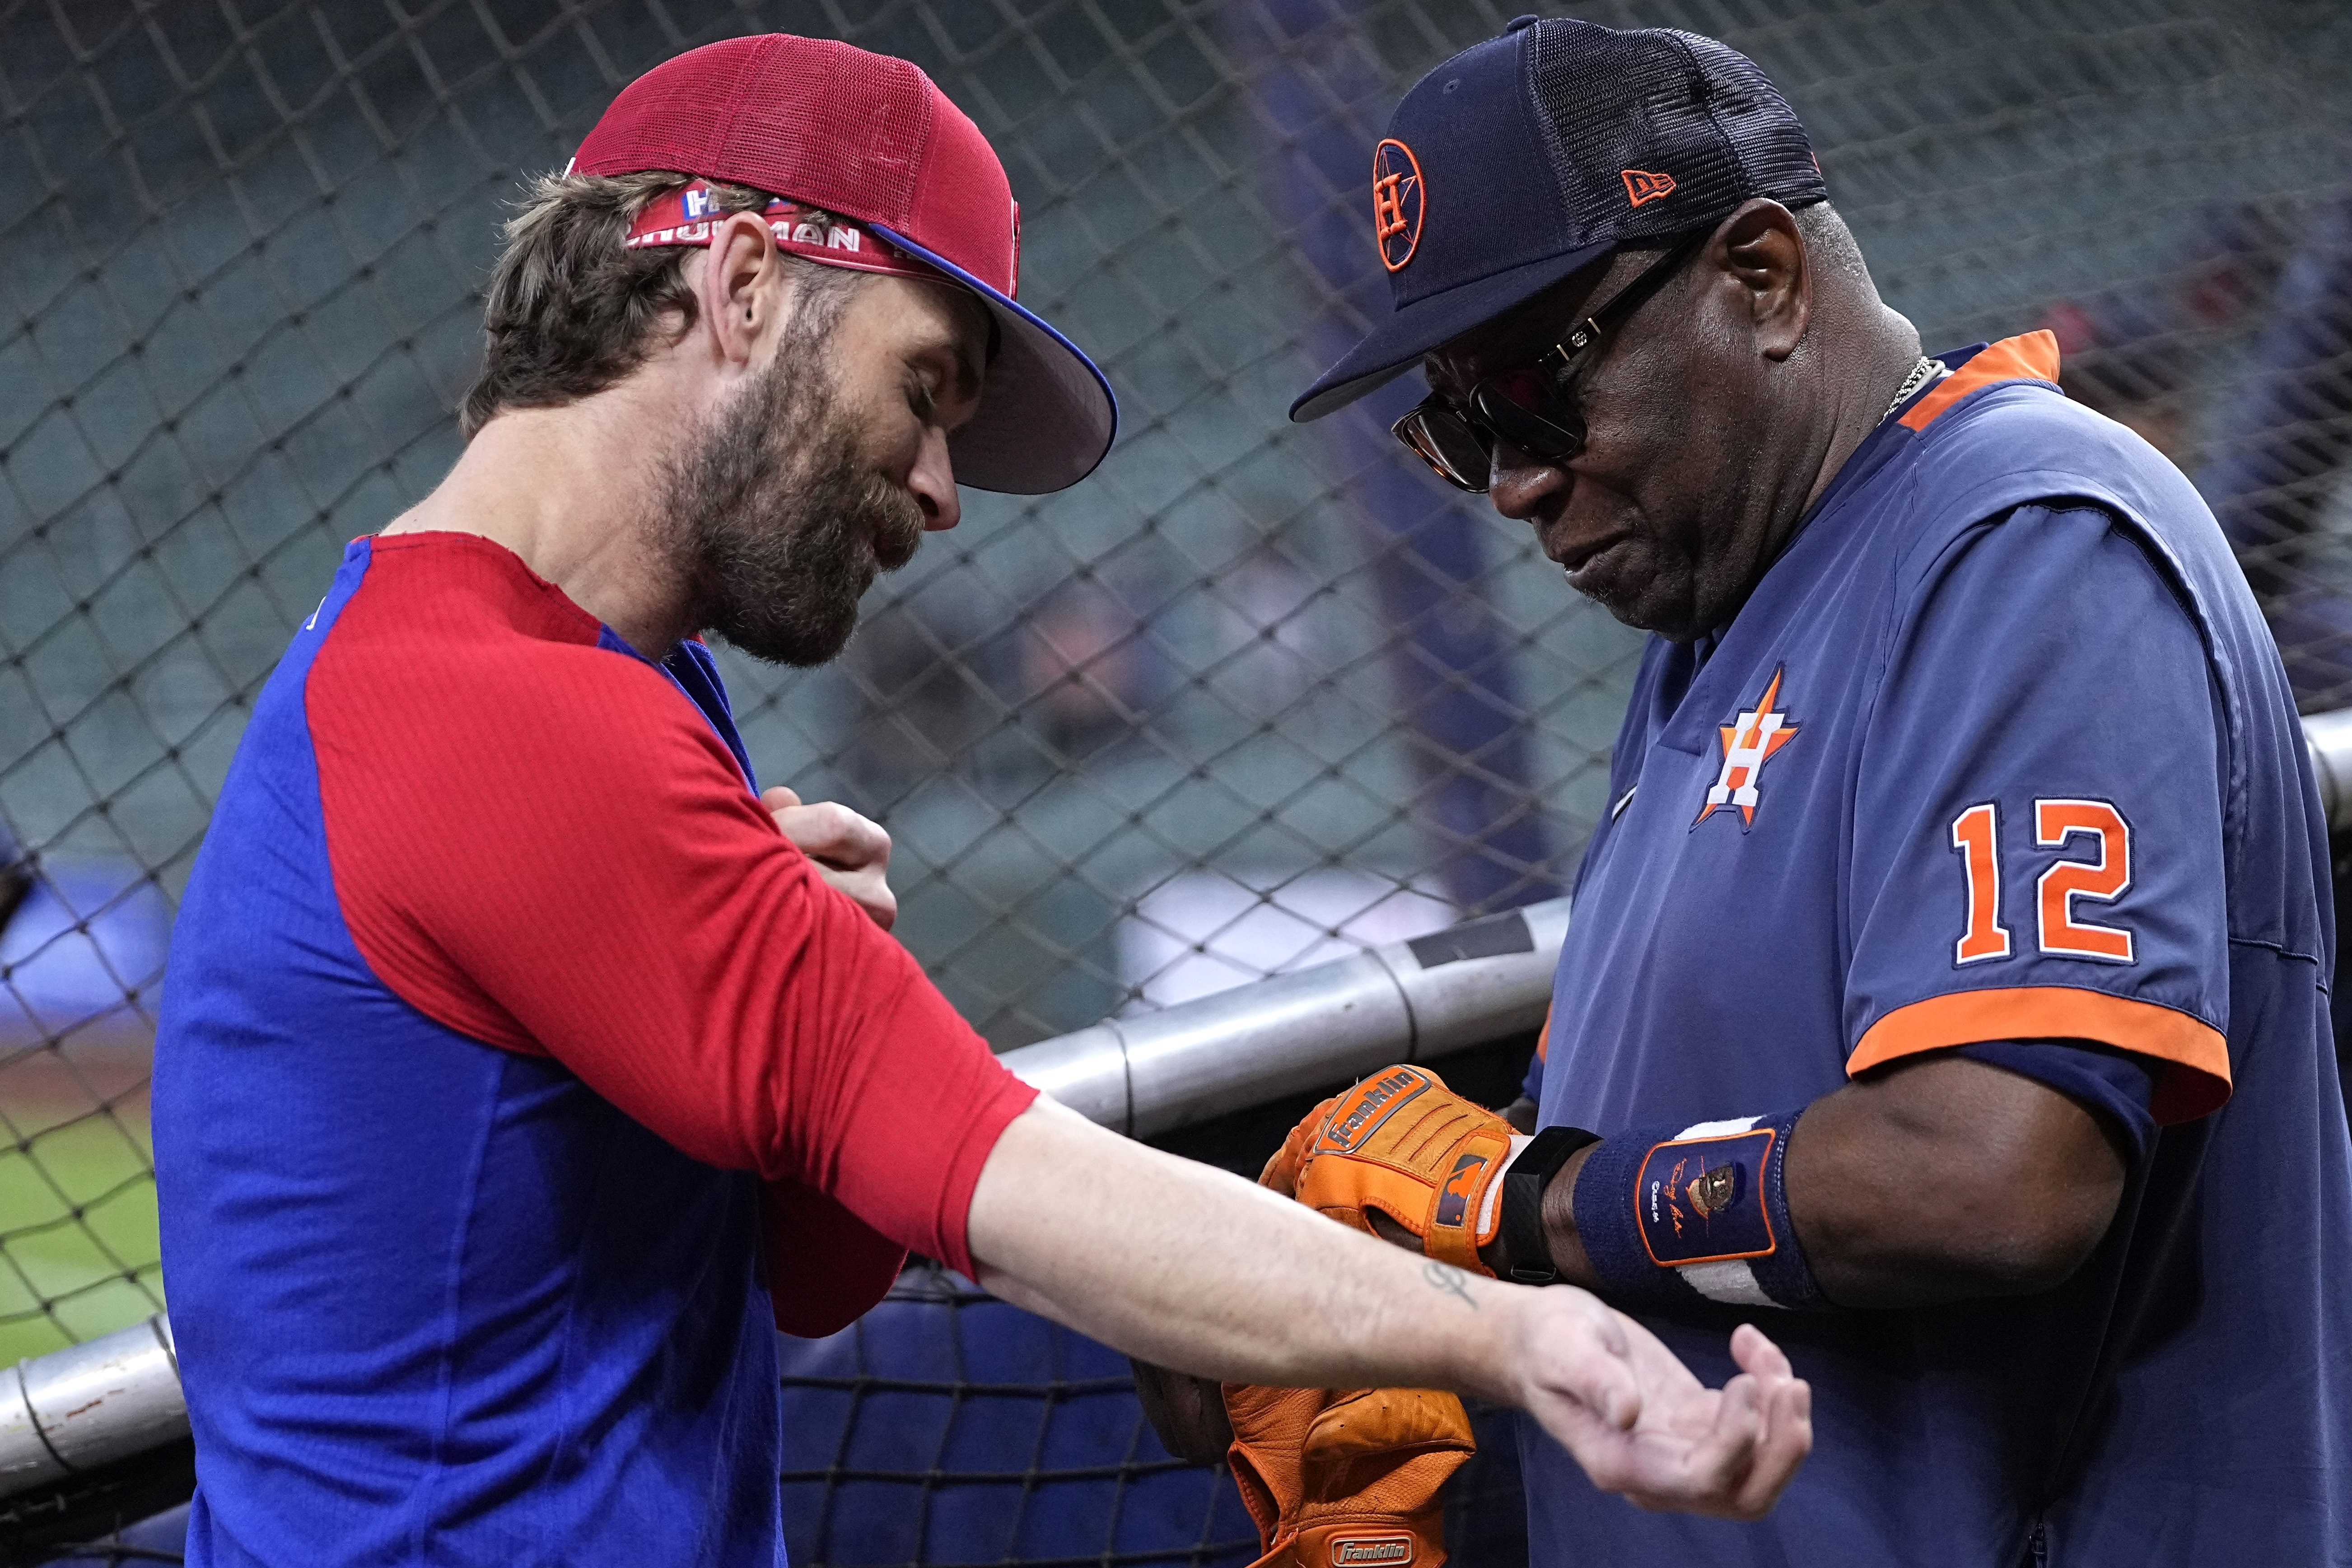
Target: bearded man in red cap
522	1068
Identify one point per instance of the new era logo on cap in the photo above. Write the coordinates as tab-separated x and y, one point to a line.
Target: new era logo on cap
1645	186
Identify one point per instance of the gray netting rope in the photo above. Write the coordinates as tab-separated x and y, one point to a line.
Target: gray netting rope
1252	696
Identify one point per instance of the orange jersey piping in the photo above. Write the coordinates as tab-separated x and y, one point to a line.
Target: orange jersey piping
2032	356
2195	1079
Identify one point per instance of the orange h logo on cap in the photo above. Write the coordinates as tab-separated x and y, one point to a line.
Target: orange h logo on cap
1397	202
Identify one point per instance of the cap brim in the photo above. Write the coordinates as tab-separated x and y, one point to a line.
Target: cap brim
1046	414
1397	344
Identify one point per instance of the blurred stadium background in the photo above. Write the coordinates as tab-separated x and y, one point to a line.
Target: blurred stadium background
1254	696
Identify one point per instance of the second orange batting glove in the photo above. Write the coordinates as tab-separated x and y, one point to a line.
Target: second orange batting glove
1352	1476
1404	1144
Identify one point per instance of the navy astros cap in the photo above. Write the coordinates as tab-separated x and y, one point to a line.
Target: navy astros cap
1529	156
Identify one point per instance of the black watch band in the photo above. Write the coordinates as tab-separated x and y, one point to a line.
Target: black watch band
1525	1246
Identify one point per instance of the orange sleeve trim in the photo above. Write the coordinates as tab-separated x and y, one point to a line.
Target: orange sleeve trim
2194	1082
2032	356
1543	1036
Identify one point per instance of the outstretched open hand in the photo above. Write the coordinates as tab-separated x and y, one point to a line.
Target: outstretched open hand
1643	1427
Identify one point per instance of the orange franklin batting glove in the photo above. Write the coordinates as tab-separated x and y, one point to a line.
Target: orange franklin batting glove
1281	1171
1404	1144
1346	1477
1353	1477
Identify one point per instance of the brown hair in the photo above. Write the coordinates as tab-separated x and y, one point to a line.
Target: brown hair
569	309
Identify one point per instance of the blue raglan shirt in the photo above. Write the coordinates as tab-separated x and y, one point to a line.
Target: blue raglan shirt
553	1336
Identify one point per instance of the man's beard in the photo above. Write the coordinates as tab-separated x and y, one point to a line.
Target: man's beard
778	525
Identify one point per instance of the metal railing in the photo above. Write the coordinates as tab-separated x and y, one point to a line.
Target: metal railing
98	1403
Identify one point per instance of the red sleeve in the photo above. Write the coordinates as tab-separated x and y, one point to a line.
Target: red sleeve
544	846
858	1264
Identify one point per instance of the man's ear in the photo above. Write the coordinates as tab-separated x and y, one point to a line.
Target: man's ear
1765	255
742	292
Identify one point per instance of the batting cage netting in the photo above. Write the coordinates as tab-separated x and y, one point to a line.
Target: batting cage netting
1255	695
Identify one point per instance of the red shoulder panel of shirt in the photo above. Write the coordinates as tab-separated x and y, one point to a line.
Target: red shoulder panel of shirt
542	844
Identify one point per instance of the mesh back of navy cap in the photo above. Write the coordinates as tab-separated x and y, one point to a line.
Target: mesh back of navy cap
1532	155
1668	102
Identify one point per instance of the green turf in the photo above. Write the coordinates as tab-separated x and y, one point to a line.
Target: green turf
77	1248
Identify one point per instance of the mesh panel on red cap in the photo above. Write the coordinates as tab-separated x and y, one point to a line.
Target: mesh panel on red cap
827	124
831	125
822	122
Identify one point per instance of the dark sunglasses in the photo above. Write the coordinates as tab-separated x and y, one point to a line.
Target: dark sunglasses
1526	406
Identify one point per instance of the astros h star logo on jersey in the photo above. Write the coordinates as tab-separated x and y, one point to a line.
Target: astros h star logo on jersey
1749	740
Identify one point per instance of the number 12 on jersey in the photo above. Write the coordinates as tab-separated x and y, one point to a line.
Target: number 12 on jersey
1976	835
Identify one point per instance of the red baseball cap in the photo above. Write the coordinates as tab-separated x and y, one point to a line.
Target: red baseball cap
834	127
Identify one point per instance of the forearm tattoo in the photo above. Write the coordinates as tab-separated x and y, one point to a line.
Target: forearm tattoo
1451	1280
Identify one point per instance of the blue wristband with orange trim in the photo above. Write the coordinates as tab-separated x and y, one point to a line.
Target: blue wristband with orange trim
1669	1217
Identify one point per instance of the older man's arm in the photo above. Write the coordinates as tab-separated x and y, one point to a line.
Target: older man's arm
2006	1186
1194	1268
